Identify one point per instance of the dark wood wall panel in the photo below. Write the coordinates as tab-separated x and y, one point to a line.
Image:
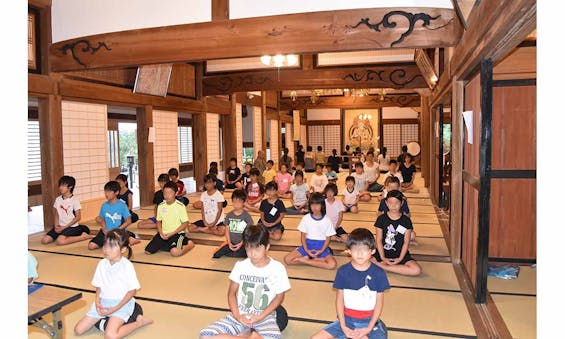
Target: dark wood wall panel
470	232
514	127
473	103
513	219
182	81
470	225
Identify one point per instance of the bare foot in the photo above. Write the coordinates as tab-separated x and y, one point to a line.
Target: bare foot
134	241
302	259
87	236
143	321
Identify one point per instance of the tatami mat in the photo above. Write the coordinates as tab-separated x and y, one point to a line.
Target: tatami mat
524	284
208	288
435	276
519	314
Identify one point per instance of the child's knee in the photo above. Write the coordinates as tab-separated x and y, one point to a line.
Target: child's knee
92	246
61	240
46	240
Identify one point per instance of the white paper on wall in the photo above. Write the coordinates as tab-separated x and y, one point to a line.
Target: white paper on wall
151	136
468	118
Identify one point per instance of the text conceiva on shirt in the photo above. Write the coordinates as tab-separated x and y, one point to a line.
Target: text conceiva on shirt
258	286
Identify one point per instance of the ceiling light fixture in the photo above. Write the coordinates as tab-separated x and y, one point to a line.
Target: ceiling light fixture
279	60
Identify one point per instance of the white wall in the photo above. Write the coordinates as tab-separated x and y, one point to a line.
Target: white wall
323	114
399	113
77	18
254	8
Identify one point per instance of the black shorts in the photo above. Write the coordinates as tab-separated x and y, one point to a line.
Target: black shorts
184	200
69	231
134	217
230	186
99	238
200	223
226	251
340	231
348	208
406	259
273	228
159	244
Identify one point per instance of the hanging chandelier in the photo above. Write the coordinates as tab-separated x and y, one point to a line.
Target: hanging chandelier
365	117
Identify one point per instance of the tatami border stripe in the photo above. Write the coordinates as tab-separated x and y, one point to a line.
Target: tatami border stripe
514	294
226	271
317	321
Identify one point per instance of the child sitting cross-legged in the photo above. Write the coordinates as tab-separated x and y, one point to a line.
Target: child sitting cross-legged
172	221
316	229
255	192
272	212
360	286
299	195
212	211
158	198
334	210
257	288
236	220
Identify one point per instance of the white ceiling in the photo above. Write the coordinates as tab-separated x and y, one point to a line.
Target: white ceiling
366	57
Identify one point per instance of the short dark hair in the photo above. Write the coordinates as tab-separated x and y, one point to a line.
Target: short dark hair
213	164
407	155
213	171
172	185
118	237
255	236
319	148
395	194
299	173
112	185
361	236
331	186
309	148
392	179
371	153
254	171
173	172
393	161
270	162
163	177
233	159
209	178
317	198
271	185
404	148
358	164
69	181
123	178
350	178
239	194
283	164
320	165
248	164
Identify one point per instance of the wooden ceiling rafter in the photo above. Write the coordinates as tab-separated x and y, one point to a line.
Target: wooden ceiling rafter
371	101
329	31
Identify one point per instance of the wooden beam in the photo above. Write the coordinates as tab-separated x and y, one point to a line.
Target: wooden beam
182	81
328	31
220	10
40	84
114	95
372	101
45	37
264	121
426	68
323	122
377	76
144	119
456	156
243	99
124	77
495	28
39	3
52	161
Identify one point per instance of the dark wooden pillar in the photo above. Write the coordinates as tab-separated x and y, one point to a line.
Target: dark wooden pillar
199	140
456	185
425	137
220	10
229	133
264	122
146	155
52	161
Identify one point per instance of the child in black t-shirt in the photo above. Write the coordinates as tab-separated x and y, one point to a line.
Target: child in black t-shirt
244	177
272	212
407	169
233	175
393	238
158	198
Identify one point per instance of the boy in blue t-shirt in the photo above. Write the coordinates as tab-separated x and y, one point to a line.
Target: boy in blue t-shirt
360	285
113	214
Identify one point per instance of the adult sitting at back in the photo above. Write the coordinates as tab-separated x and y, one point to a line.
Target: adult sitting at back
260	162
299	155
309	163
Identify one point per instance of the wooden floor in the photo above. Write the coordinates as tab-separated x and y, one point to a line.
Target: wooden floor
185	294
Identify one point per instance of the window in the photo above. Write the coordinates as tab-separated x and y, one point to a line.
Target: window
185	144
247	155
33	151
327	136
113	156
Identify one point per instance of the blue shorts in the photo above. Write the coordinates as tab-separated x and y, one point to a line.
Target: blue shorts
123	313
378	332
153	220
348	208
314	245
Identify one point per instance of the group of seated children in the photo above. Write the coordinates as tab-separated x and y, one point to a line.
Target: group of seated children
115	309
